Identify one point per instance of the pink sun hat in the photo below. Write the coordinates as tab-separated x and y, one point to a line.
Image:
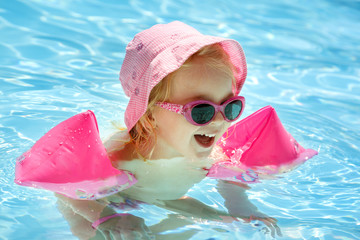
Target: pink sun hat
160	50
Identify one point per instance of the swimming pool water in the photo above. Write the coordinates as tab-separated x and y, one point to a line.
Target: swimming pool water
59	58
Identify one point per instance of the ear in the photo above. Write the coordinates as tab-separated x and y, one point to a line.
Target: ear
152	119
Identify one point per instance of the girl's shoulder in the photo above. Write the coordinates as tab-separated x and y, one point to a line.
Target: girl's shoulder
116	140
119	147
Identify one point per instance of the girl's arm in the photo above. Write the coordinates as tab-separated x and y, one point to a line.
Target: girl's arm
239	206
81	214
193	208
89	210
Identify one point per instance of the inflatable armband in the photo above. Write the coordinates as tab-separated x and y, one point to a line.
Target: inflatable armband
257	145
70	159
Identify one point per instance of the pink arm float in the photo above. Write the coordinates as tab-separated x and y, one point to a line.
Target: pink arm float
70	159
258	144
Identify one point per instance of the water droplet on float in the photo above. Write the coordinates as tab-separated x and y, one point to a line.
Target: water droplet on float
61	143
89	146
89	131
49	153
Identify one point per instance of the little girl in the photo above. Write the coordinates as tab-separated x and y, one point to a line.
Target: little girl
183	88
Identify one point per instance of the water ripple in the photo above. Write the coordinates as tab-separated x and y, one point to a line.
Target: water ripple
59	58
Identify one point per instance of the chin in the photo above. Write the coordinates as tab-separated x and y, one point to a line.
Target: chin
203	154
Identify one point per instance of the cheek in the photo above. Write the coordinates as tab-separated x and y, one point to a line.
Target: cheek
173	126
225	127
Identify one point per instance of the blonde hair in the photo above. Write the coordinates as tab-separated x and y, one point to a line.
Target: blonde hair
143	134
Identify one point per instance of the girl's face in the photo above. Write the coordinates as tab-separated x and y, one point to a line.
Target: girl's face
176	137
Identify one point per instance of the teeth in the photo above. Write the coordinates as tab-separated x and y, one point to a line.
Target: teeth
208	135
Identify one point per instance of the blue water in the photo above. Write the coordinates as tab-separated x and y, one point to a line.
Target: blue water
59	58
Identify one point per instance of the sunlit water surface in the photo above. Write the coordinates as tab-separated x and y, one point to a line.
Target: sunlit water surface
59	58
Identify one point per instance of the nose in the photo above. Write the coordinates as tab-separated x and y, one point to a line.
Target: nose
218	119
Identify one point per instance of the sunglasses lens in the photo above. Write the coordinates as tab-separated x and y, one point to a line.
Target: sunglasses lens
202	113
233	109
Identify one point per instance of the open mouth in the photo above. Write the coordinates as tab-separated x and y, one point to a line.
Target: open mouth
205	140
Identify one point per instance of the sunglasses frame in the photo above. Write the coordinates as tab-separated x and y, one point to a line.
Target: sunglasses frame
186	109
